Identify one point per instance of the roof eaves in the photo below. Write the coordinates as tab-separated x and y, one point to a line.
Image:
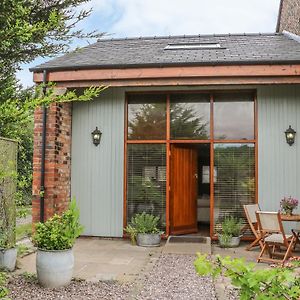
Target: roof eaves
161	65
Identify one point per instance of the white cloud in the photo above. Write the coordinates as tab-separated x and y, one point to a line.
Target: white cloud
157	17
25	77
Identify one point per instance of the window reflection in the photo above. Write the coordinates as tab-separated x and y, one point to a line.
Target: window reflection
147	117
234	116
190	116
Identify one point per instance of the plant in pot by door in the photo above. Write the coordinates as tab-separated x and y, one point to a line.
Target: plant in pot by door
144	229
231	232
55	239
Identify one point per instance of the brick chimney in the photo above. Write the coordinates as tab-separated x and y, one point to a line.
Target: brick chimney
289	16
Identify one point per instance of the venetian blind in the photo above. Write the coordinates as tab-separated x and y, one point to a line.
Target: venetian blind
235	180
146	181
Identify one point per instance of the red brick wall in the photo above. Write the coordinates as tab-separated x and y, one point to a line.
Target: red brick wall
290	16
57	160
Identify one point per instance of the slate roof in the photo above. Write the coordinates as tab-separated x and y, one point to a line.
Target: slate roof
273	48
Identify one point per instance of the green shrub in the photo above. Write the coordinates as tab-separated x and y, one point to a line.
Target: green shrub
142	223
231	226
267	284
145	223
59	232
3	289
132	232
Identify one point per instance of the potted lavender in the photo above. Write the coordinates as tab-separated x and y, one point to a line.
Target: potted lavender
288	204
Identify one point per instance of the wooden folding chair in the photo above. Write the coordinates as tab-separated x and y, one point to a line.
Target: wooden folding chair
273	237
250	210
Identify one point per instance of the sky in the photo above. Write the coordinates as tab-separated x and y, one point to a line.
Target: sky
132	18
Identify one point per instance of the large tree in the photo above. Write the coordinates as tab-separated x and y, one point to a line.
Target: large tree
30	29
33	28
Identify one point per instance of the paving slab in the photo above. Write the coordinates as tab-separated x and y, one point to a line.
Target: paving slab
187	248
102	259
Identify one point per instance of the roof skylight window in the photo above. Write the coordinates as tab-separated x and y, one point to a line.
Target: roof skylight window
193	46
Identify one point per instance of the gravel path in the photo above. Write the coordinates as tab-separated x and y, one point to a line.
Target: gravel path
174	278
23	221
22	289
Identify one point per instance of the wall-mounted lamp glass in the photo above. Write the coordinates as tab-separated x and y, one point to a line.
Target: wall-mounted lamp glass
96	136
290	134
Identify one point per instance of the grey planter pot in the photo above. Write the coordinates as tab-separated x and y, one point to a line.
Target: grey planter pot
8	258
148	240
234	242
54	268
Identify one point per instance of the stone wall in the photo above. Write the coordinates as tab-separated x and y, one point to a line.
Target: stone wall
57	160
289	17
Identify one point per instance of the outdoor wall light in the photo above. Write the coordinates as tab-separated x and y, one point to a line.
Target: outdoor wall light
290	134
96	135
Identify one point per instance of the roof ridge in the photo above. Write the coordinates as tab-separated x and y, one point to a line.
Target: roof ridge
189	36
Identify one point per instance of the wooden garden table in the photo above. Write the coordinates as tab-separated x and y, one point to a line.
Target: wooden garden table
292	218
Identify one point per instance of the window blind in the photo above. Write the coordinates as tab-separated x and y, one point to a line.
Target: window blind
235	181
146	181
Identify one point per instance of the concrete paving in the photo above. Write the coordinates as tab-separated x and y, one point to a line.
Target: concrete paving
103	259
188	248
116	259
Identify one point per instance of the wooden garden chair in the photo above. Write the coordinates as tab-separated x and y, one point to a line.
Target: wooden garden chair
274	238
250	210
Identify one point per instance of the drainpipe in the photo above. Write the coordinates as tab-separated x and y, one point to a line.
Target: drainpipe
44	131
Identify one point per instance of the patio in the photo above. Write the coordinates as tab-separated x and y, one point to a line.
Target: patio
139	273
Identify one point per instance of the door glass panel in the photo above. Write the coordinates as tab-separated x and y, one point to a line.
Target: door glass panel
234	116
146	181
235	180
190	116
147	117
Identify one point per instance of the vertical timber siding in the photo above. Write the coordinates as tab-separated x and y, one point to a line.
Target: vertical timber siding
278	163
97	172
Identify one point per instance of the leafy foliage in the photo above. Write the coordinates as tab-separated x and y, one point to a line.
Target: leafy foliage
8	177
60	231
142	223
32	28
132	233
3	289
145	223
266	284
232	226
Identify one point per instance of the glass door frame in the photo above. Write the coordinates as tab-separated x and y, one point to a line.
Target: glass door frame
168	141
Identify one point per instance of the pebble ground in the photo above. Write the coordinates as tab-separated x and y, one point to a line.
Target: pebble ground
172	277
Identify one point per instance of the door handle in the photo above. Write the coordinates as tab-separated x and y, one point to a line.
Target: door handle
196	175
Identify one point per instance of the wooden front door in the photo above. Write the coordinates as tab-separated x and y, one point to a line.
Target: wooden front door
183	193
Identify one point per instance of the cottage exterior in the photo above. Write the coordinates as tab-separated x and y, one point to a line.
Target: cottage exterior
193	127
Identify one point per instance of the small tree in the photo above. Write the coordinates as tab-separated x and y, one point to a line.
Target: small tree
280	283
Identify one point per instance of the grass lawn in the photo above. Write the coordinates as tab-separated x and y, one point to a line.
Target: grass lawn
23	231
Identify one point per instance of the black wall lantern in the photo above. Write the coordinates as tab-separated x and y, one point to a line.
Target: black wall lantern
290	135
96	135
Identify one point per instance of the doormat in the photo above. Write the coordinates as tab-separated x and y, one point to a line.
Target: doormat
187	239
